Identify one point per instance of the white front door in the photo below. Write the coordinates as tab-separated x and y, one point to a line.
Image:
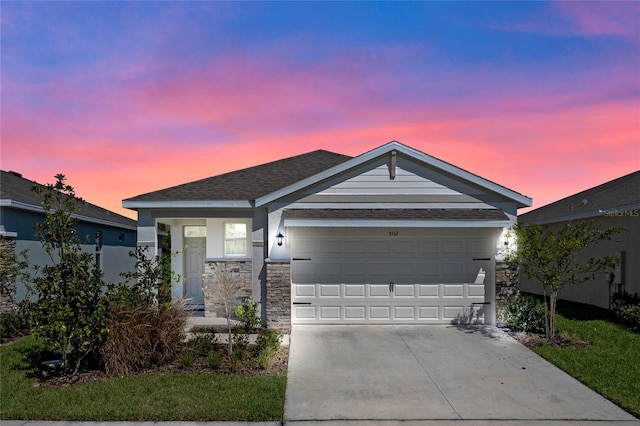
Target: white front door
194	255
402	276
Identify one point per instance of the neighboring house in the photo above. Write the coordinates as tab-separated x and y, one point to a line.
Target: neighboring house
615	203
392	236
107	235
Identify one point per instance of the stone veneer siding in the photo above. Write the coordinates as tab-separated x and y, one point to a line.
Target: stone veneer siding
507	282
278	307
8	285
240	269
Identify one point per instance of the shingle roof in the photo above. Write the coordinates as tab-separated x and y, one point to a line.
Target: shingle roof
621	192
250	183
15	188
396	214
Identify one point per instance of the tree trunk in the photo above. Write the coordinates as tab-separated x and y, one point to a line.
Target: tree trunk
553	301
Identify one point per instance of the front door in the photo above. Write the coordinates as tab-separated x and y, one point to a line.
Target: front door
194	268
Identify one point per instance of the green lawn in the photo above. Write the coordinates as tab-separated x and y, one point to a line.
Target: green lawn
610	365
178	396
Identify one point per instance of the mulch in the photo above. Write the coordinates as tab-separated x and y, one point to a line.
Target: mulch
249	367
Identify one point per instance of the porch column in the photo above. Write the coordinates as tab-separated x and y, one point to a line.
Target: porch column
278	307
148	233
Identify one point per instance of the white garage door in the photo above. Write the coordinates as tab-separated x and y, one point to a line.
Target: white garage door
365	275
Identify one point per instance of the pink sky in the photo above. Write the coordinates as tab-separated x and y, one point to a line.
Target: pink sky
546	103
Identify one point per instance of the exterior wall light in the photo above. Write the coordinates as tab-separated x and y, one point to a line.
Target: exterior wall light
279	238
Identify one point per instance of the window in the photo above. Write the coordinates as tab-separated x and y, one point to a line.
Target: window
235	239
195	231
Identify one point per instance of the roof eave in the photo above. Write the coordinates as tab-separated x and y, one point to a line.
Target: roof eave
39	209
197	204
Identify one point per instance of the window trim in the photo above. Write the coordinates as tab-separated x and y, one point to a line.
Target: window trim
225	239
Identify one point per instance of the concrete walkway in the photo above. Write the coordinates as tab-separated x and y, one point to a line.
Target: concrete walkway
431	375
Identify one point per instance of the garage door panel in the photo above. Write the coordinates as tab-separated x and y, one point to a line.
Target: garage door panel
453	247
329	247
452	312
428	313
329	290
304	312
354	312
404	290
428	290
452	290
476	290
355	290
402	269
402	247
404	312
452	269
380	312
355	268
304	290
329	313
379	290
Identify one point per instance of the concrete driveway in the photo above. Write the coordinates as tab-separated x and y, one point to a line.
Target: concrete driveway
427	374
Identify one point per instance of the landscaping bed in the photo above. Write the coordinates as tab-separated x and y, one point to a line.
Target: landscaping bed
168	393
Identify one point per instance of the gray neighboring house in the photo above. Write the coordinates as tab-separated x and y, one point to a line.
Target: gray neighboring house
614	203
392	236
107	235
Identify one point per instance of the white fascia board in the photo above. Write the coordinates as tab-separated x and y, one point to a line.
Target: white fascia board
39	209
380	223
383	150
203	204
369	206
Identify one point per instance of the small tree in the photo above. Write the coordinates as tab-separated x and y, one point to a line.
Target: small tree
550	257
226	289
70	312
151	278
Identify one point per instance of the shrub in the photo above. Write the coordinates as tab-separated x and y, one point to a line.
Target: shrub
203	343
15	322
187	359
248	315
238	355
626	309
214	359
142	337
524	313
265	356
268	339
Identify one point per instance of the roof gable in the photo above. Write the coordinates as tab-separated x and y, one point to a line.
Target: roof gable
16	192
618	194
448	172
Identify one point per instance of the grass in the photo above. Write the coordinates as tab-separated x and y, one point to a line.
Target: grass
151	397
610	365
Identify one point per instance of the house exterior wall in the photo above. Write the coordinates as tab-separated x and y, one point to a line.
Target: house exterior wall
598	291
114	254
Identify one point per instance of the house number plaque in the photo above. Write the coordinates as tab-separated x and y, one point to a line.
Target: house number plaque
393	233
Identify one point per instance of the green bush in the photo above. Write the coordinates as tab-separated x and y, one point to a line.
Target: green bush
203	343
626	309
248	315
214	359
16	322
265	356
524	313
187	359
238	355
268	339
